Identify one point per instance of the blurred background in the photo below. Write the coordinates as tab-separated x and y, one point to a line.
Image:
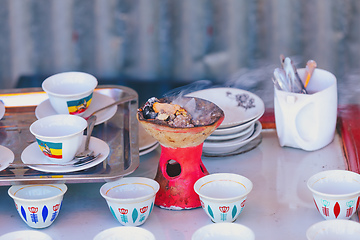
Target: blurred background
156	45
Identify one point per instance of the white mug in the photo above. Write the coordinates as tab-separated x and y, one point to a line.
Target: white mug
307	121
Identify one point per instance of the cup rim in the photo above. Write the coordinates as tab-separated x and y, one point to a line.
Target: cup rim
91	80
323	225
129	180
63	189
223	176
217	226
82	125
323	174
124	229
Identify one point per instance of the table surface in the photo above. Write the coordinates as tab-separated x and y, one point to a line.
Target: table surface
280	205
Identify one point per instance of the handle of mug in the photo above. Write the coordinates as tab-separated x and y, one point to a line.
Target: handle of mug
290	119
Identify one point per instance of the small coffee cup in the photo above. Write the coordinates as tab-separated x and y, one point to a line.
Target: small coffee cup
59	136
70	92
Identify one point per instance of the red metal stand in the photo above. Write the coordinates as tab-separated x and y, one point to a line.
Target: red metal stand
178	170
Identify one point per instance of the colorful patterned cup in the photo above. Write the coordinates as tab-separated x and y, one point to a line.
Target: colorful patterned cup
70	92
130	199
223	195
59	136
38	205
336	193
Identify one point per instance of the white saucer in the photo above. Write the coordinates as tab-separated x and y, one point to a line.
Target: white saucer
232	141
33	154
6	157
150	149
145	139
45	109
2	109
244	132
220	147
25	235
235	129
236	111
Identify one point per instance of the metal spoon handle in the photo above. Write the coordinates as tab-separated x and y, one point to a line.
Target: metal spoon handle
122	100
75	164
91	124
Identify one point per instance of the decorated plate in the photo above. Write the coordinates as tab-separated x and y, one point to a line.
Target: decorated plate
239	106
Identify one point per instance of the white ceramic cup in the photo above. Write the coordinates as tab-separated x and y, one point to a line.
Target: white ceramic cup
223	195
307	121
25	235
224	230
130	199
125	233
59	136
336	193
70	92
38	205
334	230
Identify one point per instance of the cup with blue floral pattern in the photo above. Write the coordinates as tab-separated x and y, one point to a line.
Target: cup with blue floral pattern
130	199
223	195
38	205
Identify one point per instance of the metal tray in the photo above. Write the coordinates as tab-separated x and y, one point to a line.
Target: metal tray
120	133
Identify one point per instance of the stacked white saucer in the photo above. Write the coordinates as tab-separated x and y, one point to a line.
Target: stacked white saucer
147	143
242	111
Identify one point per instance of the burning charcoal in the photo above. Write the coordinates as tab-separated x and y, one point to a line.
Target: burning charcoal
180	112
149	113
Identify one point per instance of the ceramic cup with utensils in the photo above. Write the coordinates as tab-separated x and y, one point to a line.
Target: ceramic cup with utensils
38	205
70	92
59	136
336	193
223	195
307	121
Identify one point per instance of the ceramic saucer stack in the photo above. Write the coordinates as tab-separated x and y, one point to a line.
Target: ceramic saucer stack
240	130
147	143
